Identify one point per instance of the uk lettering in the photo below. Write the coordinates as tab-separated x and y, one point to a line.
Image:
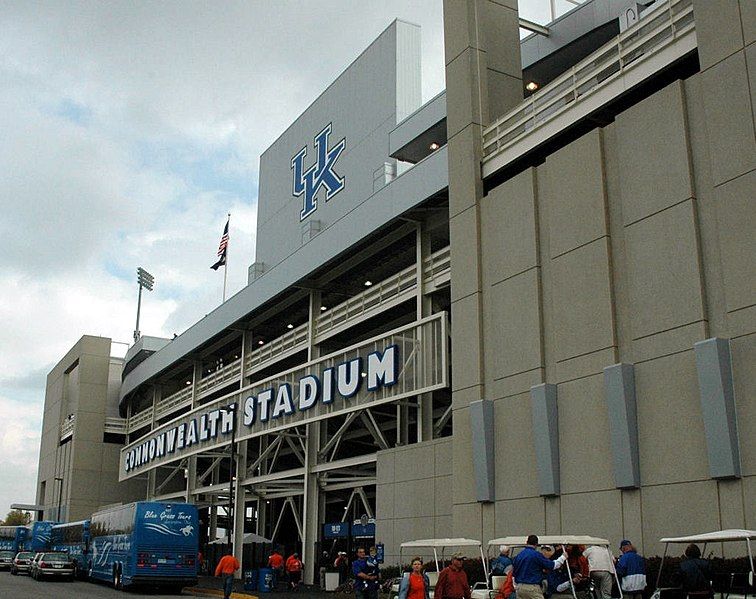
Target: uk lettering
308	183
376	371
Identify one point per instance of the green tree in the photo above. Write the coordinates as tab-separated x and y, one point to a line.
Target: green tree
16	518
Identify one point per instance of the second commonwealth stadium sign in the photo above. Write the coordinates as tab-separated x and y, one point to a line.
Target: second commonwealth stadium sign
402	363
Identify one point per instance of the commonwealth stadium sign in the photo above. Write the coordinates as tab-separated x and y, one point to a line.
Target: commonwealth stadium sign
405	362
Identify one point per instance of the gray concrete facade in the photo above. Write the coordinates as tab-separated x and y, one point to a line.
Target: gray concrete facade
81	392
627	246
578	286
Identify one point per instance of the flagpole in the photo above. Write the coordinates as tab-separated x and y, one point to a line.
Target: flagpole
225	266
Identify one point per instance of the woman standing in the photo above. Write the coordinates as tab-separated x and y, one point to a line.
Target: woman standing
417	584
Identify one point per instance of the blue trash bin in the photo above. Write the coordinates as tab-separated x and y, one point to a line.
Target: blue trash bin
250	580
266	581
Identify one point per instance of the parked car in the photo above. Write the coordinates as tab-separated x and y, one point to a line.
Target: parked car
22	562
52	563
6	558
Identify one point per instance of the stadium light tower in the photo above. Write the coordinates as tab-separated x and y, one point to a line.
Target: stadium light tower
145	280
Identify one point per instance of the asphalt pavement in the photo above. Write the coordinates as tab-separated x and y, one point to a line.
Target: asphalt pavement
24	587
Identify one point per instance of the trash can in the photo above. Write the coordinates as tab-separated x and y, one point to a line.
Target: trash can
266	580
331	581
250	580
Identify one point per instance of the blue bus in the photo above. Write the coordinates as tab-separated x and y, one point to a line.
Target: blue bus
40	536
73	538
145	543
12	538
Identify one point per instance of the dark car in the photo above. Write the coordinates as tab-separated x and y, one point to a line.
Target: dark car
52	563
6	558
22	562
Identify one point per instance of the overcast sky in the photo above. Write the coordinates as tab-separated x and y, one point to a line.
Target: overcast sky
127	131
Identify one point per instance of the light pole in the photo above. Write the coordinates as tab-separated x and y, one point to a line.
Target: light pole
145	280
60	494
231	472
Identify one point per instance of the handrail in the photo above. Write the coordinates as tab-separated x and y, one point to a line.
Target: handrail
67	427
398	287
116	425
658	27
220	376
140	419
181	398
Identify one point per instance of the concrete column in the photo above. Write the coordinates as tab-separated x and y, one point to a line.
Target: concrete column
310	504
157	395
191	478
239	504
483	81
196	378
150	484
424	308
313	351
213	527
243	355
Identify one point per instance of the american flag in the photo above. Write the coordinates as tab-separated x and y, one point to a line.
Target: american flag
222	248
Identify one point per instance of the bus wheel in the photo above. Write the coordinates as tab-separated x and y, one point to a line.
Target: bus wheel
117	579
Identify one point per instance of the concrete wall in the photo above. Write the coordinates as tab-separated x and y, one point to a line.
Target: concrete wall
628	245
379	89
85	384
413	498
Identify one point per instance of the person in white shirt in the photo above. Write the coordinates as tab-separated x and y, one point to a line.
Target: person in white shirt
601	567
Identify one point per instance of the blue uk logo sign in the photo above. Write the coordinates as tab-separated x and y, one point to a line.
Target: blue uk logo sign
320	175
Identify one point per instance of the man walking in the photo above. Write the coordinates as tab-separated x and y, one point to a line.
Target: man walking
601	569
365	577
226	568
276	563
631	568
528	567
452	581
294	571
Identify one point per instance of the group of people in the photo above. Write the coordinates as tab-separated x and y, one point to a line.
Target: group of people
289	569
538	572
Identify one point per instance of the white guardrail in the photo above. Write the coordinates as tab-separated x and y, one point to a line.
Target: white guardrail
377	298
651	42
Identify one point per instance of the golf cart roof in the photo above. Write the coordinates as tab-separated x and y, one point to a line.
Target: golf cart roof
441	543
733	534
550	540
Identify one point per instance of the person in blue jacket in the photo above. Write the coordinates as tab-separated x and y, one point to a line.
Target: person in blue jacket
415	582
529	566
631	569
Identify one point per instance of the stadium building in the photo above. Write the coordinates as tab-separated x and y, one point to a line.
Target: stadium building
527	305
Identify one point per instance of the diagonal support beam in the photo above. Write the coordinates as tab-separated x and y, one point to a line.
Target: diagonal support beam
264	454
350	418
373	428
179	468
441	422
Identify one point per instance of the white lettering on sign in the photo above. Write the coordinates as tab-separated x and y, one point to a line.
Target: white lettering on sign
346	379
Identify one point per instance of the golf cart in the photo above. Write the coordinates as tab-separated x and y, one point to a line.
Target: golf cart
718	536
441	551
486	591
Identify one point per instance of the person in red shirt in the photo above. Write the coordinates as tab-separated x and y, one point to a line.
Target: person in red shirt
276	562
452	581
226	568
294	570
417	584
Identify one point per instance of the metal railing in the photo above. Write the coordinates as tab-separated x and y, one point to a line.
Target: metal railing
67	427
218	378
173	402
290	342
379	297
140	419
116	425
659	27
